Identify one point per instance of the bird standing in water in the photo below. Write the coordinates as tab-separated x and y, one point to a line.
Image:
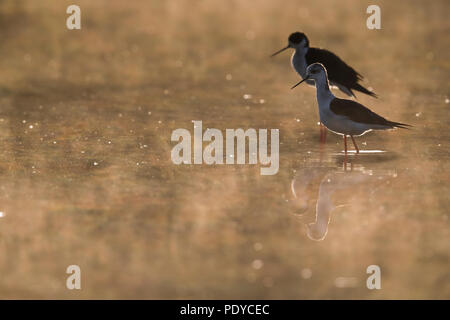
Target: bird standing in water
342	116
340	74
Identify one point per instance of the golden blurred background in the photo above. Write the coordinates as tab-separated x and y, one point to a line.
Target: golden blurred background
86	176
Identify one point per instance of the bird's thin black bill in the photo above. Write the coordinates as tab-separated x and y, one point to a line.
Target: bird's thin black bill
279	51
299	83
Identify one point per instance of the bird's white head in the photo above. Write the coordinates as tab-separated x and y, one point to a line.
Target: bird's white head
297	41
316	72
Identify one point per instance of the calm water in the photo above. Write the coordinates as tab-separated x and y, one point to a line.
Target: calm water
86	177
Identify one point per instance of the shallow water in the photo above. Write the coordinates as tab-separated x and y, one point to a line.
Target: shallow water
86	176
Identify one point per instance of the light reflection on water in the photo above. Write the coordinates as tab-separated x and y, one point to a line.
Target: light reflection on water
330	181
86	177
361	152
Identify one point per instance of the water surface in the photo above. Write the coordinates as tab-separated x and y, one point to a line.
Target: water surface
86	177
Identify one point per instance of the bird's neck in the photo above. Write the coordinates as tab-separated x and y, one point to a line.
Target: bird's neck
324	95
298	61
300	50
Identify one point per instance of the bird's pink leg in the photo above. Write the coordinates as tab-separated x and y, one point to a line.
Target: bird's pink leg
345	144
323	133
345	157
354	143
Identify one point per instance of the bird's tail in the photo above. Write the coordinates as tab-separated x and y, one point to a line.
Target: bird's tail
360	88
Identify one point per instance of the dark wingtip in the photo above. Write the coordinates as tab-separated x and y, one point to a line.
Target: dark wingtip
360	88
402	125
373	94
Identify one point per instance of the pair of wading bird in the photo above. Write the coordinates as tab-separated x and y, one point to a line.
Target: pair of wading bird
322	68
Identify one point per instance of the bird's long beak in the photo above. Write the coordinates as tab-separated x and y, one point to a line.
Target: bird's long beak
279	51
300	82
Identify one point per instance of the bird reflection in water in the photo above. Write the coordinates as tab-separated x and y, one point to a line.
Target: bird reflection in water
316	187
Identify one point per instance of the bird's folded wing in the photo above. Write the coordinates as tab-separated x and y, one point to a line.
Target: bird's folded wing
338	70
356	112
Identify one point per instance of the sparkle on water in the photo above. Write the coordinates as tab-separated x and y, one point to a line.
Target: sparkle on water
141	227
353	152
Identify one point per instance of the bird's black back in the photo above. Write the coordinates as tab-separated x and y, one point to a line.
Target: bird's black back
338	70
